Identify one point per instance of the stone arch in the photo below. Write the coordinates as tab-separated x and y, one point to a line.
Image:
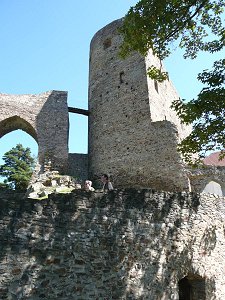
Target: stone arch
215	175
192	287
199	178
13	123
214	186
45	118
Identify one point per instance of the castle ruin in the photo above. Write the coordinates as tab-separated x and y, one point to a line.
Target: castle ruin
133	132
156	242
45	118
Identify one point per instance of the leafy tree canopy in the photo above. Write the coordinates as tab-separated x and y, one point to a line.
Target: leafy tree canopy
195	26
206	113
18	168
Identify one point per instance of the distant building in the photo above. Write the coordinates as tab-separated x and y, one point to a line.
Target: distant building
213	160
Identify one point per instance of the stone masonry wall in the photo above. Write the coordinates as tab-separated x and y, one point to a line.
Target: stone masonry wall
161	95
200	177
127	138
78	166
127	244
45	118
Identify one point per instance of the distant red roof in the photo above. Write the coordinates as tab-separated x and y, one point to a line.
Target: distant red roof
213	160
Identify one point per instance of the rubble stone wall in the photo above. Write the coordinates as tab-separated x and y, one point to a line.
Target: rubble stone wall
125	244
133	133
44	117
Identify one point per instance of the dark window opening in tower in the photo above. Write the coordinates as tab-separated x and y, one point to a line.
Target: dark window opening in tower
121	77
107	43
192	287
156	86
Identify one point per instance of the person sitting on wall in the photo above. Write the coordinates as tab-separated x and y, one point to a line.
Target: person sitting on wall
88	186
107	185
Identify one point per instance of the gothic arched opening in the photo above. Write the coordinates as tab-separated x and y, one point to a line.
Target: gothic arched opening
192	287
214	187
14	123
15	130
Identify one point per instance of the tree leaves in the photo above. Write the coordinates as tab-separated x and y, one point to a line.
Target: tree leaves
157	74
206	113
153	24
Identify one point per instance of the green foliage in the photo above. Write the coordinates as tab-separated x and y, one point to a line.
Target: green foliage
156	74
18	168
195	26
206	113
153	24
4	186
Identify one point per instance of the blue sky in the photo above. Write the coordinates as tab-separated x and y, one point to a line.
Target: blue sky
45	46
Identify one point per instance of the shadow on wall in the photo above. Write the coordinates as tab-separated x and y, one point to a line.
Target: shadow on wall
120	245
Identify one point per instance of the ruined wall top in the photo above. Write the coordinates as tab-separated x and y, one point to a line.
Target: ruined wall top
44	117
160	95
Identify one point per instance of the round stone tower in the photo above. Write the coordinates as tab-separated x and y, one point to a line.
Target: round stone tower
133	133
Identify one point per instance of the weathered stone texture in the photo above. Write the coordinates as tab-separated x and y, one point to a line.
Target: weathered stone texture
203	175
45	118
161	95
126	244
78	166
133	133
